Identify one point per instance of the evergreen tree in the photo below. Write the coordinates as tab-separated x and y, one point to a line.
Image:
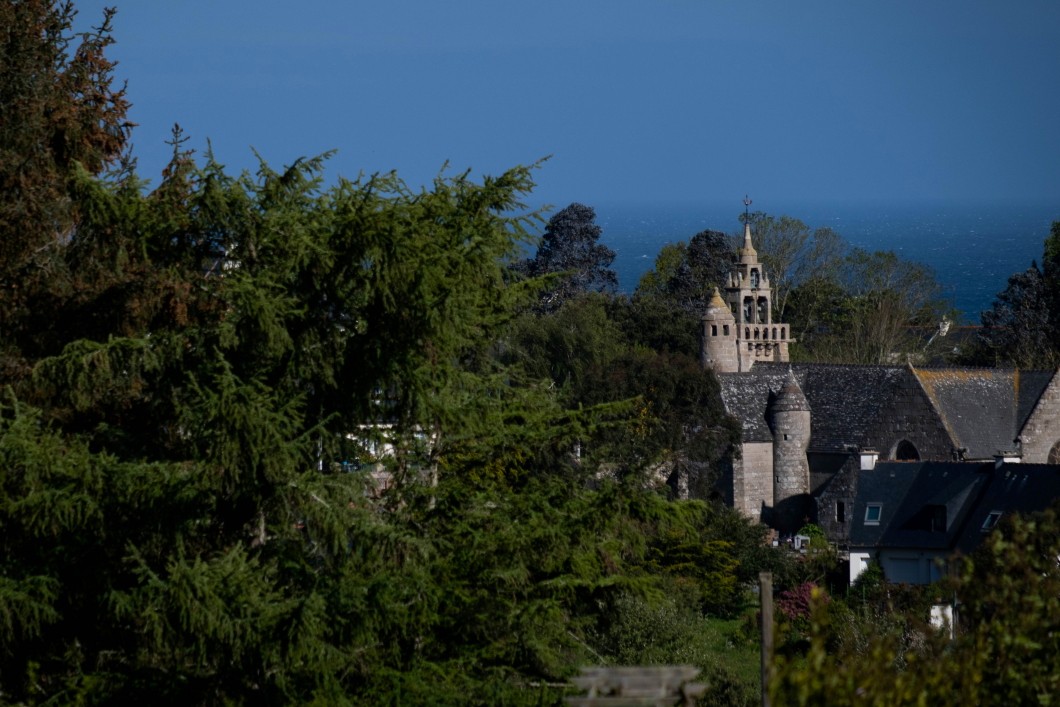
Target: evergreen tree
197	384
58	108
1020	328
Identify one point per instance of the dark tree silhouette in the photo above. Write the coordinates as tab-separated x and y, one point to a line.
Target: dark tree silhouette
570	251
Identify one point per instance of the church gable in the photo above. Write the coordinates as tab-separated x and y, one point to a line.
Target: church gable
978	406
1030	387
1040	434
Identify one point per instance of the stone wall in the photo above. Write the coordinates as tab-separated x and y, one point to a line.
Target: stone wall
1042	429
840	488
752	479
718	351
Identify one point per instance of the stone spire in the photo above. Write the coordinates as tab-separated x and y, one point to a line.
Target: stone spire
747	253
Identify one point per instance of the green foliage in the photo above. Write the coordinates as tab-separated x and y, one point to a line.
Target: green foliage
1020	329
867	309
667	631
685	274
664	312
878	649
186	370
58	108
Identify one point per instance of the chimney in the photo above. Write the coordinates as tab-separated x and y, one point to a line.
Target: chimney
869	457
1007	457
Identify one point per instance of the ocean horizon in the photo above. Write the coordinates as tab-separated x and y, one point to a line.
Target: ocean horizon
972	247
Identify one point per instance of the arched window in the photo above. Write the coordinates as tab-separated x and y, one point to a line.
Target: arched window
754	279
774	332
747	332
765	333
756	333
782	334
1054	454
905	451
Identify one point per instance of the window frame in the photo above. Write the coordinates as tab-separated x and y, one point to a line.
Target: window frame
987	525
869	508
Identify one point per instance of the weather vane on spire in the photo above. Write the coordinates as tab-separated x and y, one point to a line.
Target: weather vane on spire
746	206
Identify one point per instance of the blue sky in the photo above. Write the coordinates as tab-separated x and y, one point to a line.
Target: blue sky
655	101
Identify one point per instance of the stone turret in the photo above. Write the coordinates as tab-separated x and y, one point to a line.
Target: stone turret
718	350
790	416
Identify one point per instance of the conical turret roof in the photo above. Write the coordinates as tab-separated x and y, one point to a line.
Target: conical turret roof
717	309
790	396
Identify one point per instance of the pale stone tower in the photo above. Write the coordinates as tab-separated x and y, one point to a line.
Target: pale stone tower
718	350
748	333
790	416
750	297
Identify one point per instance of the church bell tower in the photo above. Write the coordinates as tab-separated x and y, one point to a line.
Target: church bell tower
749	296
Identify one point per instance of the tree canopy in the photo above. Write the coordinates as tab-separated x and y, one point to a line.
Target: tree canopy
1022	328
267	442
570	252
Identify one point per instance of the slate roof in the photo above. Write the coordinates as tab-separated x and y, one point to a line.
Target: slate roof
886	485
952	486
984	409
844	399
1013	488
747	395
969	491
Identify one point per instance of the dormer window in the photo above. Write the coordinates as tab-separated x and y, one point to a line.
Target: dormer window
873	512
990	521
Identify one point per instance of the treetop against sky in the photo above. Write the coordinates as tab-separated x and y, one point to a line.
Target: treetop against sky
635	101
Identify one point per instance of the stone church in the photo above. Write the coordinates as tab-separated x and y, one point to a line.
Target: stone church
808	428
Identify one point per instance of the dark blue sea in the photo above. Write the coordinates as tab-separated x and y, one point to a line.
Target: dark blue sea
973	248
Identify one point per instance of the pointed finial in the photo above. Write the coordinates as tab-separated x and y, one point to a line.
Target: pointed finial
746	207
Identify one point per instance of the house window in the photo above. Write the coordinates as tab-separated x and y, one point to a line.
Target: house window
840	512
991	520
872	513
